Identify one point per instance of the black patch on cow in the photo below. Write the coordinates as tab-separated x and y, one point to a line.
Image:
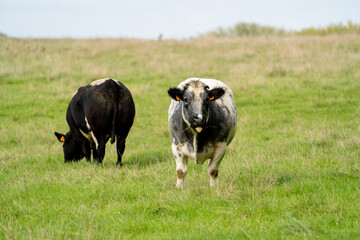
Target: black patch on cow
215	93
176	94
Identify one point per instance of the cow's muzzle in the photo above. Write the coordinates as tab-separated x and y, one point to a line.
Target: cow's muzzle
198	122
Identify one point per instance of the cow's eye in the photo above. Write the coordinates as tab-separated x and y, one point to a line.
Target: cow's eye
185	100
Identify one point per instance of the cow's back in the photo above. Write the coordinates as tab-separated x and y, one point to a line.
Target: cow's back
212	83
96	104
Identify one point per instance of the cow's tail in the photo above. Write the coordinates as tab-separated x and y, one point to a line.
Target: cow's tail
116	110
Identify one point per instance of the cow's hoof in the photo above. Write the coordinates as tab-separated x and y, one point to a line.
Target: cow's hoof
213	182
180	184
100	164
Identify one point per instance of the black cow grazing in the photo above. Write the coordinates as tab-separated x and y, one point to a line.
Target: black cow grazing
101	110
202	122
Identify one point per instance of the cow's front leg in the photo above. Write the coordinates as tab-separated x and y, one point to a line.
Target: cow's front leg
181	165
85	146
214	163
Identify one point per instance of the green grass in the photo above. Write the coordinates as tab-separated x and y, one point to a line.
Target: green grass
292	171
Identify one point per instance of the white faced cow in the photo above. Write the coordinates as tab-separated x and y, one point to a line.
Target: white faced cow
101	110
202	122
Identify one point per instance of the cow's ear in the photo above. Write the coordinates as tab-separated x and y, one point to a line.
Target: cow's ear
216	93
176	94
60	137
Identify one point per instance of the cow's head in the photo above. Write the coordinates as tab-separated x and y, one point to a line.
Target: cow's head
195	99
72	148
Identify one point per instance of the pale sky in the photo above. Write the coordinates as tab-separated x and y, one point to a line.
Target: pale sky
172	19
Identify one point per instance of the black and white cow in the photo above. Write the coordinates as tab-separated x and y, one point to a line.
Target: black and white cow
202	122
101	110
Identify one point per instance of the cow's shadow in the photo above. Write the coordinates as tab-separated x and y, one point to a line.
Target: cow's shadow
140	160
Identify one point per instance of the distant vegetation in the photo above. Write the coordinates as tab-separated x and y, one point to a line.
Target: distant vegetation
340	28
247	30
252	29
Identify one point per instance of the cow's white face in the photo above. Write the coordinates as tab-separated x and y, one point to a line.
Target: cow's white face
195	99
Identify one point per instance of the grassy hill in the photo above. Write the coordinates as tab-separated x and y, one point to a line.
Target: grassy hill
292	171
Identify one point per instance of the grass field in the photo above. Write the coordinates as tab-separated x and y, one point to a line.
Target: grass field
292	171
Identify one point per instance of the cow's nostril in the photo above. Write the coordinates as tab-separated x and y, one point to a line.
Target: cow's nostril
196	120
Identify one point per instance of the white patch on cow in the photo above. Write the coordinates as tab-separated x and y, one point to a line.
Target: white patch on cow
212	83
183	116
196	90
99	81
95	140
181	164
195	145
116	82
192	152
186	150
92	134
75	93
87	124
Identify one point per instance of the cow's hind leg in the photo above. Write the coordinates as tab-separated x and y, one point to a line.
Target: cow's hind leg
214	162
120	148
181	165
95	156
120	143
101	153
